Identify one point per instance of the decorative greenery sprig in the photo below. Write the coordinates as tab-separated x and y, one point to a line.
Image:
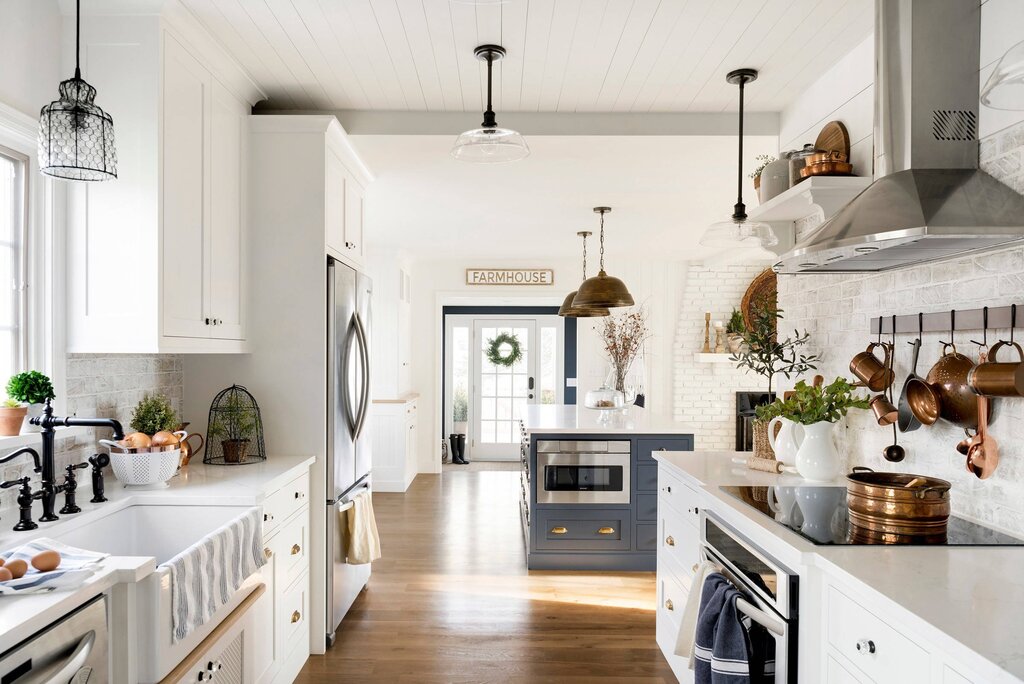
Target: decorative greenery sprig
765	354
809	404
736	325
763	160
497	356
234	420
154	414
30	387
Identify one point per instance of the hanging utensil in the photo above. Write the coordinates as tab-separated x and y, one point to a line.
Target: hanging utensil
907	421
965	444
894	452
983	456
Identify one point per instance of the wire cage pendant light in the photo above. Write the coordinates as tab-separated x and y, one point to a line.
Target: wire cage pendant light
602	291
76	137
738	230
490	144
567	309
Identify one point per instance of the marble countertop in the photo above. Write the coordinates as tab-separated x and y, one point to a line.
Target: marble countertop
568	419
197	484
966	597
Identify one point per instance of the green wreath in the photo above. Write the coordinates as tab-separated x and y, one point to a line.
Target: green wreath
494	354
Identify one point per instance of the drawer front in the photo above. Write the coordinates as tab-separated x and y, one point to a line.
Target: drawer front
293	546
293	615
679	542
835	673
647	477
583	531
681	497
647	507
285	502
647	447
672	594
870	645
647	537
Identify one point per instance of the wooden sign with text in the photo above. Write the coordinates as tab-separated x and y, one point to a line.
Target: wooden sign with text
510	276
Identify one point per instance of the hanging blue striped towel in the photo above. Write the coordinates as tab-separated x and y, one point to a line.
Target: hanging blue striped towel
207	574
729	647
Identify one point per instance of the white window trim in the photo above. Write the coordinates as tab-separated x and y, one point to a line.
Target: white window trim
45	311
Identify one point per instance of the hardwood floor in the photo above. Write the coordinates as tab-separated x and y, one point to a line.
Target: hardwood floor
451	601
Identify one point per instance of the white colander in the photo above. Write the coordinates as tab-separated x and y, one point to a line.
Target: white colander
140	467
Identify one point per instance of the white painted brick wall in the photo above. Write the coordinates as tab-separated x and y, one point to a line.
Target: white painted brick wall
102	386
704	395
837	310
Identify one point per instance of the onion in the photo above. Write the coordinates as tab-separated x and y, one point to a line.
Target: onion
138	440
165	438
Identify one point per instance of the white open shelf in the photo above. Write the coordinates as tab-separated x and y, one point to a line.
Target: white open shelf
827	193
701	357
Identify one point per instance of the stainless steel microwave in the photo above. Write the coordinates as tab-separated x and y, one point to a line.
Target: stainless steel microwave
583	472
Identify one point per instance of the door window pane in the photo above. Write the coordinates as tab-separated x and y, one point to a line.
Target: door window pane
12	235
547	383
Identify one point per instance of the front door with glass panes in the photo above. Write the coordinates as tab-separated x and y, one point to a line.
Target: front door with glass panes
485	399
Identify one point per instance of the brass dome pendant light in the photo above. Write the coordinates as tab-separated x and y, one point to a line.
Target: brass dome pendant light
602	291
567	309
738	231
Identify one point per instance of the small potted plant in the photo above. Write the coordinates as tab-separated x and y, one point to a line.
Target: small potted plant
154	415
763	160
234	425
734	330
32	388
818	409
12	417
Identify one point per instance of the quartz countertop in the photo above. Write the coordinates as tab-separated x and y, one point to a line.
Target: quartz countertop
962	597
197	484
569	419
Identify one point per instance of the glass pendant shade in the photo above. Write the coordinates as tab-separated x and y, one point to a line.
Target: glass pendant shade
490	146
1005	86
725	234
604	291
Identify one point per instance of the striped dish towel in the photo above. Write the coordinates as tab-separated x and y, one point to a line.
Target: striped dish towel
76	566
206	575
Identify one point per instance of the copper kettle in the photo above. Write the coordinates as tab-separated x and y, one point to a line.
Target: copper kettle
188	450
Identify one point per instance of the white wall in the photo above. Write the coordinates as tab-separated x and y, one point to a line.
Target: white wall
30	42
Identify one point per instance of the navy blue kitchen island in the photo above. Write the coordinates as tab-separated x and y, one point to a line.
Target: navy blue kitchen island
590	486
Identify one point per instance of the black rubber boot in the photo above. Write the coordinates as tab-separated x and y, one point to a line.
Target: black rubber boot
462	450
453	440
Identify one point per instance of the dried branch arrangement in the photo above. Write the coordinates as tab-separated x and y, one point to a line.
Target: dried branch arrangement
624	336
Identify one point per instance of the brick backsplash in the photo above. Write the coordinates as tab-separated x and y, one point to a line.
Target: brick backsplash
107	387
837	310
704	395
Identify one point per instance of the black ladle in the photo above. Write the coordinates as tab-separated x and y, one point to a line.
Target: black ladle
894	452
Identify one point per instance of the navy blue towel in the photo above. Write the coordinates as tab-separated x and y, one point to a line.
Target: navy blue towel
730	648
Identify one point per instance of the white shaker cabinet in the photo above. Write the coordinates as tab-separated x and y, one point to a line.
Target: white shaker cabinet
156	258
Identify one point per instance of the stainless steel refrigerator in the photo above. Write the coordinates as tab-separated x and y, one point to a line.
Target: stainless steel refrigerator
348	441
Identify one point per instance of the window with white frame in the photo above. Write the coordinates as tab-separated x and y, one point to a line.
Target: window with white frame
13	233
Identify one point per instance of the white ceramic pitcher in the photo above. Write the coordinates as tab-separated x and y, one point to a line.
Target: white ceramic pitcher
787	442
817	459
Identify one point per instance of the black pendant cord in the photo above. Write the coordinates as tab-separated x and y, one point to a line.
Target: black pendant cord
78	38
489	120
739	212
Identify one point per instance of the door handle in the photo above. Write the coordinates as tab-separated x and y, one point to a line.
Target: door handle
529	383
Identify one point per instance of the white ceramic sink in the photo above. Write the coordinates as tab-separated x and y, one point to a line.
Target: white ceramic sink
160	531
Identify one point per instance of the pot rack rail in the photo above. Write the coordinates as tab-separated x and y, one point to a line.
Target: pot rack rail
999	317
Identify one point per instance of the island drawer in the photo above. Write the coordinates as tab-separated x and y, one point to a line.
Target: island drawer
647	477
647	507
677	495
645	448
592	530
646	536
285	502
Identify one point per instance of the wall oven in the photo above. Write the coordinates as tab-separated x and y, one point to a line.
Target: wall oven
583	472
771	590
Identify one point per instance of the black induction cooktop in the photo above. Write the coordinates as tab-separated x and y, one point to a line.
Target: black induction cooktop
820	515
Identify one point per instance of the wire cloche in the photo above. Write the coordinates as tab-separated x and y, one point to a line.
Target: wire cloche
234	433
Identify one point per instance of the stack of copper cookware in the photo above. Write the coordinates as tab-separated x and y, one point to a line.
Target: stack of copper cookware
896	508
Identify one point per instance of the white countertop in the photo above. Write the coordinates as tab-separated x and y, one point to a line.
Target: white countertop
566	419
970	597
197	484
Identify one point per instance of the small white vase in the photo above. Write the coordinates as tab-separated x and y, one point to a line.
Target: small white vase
817	459
786	443
34	410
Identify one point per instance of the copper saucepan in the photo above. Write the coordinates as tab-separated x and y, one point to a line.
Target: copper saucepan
897	503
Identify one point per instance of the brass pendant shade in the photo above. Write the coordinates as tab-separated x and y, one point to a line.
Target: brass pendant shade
568	309
602	291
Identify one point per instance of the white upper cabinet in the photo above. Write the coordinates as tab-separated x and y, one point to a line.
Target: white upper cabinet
157	258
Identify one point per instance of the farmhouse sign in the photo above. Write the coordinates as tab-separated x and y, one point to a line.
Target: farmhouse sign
510	276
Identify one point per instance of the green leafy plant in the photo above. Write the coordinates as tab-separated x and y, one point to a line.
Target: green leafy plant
809	404
30	387
233	420
765	354
460	406
154	414
763	160
736	326
496	353
11	403
765	412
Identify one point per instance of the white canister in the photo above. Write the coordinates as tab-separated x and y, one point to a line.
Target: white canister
817	459
787	441
775	178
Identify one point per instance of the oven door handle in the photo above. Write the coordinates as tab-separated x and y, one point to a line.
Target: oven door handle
69	667
773	624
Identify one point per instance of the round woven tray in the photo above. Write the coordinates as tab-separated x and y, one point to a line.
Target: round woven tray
764	287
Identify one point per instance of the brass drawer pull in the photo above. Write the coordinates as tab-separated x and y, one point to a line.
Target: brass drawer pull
558	530
670	540
267	553
668	604
606	530
296	549
296	616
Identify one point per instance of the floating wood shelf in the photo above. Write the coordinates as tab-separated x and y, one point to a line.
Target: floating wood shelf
827	193
701	357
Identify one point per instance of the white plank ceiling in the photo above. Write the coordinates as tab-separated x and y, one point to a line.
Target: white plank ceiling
563	55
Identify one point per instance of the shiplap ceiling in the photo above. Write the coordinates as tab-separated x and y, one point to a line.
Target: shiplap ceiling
631	56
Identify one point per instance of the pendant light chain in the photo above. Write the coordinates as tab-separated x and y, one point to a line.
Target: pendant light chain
584	256
602	241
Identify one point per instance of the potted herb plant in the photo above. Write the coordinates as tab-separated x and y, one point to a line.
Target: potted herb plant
12	417
734	330
234	424
818	409
154	414
32	388
763	160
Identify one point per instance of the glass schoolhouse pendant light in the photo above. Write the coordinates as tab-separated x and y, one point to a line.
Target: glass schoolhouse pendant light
567	309
738	231
76	138
490	144
602	291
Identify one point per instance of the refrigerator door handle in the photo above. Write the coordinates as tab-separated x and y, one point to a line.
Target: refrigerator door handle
364	353
350	416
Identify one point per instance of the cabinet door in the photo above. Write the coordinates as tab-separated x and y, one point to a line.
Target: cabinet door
266	654
185	204
334	201
353	221
226	277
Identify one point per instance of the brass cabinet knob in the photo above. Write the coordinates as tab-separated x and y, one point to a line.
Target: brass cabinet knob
558	530
267	553
606	530
670	540
296	616
296	549
668	604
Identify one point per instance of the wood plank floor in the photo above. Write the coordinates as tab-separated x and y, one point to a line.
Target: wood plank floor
451	601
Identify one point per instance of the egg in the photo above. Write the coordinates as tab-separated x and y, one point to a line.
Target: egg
5	575
46	561
2	562
17	568
138	440
164	438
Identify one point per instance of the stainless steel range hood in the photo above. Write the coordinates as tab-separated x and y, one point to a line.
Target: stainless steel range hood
929	201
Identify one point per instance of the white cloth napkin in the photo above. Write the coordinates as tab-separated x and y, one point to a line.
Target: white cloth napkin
362	543
76	566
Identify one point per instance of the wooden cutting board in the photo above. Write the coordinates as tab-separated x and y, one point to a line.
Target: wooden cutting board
834	137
